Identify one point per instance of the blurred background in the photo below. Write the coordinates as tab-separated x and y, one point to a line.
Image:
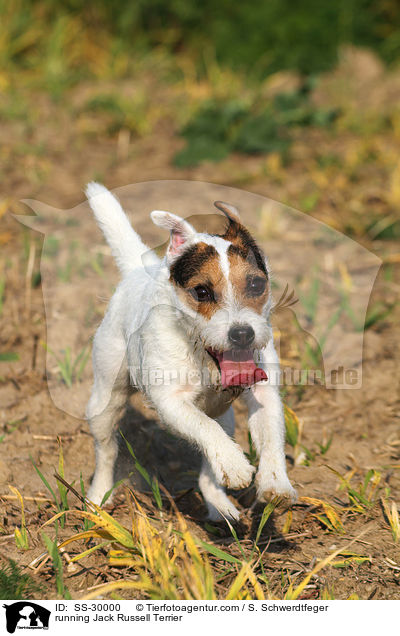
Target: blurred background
299	100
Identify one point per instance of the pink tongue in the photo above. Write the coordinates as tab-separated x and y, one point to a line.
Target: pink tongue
238	368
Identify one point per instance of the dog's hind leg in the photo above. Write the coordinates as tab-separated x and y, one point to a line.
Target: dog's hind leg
107	402
218	503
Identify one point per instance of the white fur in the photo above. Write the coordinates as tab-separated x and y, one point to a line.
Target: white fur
147	331
126	246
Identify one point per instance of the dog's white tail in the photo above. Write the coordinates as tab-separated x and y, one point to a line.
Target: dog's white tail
126	246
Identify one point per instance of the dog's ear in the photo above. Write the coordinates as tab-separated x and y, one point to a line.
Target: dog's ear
229	210
181	231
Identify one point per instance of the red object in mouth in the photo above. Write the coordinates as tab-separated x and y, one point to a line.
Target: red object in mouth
238	367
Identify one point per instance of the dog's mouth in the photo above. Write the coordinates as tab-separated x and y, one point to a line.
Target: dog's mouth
237	367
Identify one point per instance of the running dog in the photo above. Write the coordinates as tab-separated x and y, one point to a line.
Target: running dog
187	331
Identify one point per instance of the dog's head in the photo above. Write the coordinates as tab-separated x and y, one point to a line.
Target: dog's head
221	283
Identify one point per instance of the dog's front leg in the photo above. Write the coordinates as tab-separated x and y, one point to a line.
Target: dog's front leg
226	459
218	503
267	429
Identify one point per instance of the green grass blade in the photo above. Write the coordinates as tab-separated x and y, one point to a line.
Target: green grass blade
53	550
217	552
46	483
267	512
9	356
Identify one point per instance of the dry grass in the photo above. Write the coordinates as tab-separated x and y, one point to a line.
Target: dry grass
160	558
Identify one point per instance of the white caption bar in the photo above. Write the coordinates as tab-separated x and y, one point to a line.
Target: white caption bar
176	617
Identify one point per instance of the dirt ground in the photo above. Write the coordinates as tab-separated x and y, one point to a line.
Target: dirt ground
78	276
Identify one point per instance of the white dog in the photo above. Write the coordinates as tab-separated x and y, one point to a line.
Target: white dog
186	330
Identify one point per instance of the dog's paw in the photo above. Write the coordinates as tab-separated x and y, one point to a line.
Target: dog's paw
96	495
239	476
272	485
231	467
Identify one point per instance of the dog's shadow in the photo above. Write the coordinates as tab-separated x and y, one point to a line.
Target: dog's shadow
176	466
169	459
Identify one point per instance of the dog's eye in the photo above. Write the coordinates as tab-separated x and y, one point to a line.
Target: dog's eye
202	294
256	286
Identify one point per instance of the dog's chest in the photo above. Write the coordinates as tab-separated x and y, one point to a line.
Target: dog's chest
214	401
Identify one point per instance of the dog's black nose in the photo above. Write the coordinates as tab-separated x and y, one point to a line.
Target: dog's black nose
241	336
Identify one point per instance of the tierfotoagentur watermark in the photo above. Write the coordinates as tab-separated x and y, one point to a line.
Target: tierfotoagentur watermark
321	285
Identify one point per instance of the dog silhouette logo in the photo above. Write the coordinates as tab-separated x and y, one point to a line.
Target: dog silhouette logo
26	615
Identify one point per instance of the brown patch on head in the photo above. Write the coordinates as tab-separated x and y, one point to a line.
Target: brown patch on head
244	244
250	284
199	267
248	272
